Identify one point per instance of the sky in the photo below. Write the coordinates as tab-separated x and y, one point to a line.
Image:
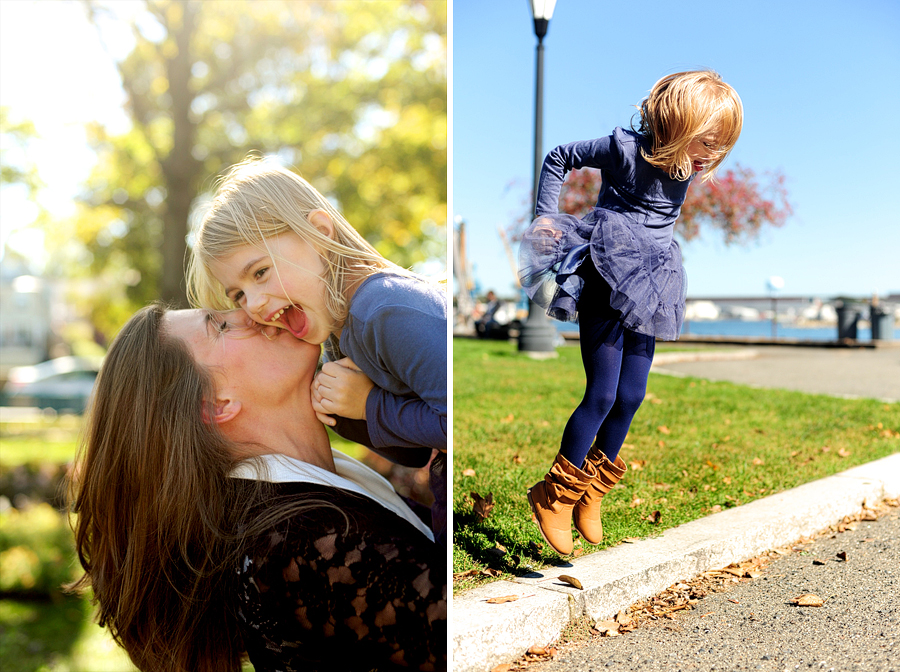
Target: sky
55	73
820	85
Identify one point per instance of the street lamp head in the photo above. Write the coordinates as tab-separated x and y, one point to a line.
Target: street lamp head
542	11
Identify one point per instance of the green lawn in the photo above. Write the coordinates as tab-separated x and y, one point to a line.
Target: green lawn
695	447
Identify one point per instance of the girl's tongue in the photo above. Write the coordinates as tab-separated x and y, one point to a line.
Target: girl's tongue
294	320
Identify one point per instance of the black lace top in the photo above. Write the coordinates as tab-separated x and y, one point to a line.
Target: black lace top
349	587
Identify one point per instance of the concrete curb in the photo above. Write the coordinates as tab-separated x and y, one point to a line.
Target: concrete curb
664	358
485	635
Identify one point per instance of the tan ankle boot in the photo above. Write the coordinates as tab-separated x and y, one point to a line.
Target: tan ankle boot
553	498
587	510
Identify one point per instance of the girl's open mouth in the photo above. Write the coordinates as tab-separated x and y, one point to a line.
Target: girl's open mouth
698	166
291	318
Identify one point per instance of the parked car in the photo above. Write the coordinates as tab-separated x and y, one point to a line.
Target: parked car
63	384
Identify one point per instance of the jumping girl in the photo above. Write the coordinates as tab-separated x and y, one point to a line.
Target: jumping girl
275	247
618	271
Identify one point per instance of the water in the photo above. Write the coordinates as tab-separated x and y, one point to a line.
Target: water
756	329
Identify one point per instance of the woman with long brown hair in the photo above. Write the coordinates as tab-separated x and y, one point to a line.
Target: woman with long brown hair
213	518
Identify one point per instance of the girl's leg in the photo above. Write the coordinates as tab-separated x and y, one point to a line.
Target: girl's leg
602	338
637	357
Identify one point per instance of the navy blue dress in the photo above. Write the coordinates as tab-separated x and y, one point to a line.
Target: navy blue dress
627	236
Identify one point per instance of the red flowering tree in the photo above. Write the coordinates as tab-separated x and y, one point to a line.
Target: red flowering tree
737	203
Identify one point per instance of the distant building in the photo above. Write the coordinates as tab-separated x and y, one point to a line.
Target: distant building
701	310
24	321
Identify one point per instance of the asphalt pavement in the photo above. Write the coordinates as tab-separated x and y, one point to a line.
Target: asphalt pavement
754	625
863	602
842	372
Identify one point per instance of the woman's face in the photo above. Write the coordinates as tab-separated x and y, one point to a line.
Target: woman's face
244	361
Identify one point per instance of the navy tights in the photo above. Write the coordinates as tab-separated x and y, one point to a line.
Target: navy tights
616	363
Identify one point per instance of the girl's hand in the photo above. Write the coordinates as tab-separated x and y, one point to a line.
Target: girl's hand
340	388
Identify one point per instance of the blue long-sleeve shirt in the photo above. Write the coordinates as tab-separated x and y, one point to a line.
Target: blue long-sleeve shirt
630	184
396	333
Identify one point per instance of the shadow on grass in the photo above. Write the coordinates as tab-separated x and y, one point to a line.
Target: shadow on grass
500	549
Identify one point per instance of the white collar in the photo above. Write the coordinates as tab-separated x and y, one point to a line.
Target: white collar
351	475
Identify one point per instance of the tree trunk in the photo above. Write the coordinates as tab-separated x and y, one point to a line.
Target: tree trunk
180	166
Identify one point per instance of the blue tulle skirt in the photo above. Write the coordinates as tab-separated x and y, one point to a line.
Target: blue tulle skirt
647	278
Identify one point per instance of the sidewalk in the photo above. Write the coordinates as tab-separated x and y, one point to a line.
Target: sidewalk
841	372
485	635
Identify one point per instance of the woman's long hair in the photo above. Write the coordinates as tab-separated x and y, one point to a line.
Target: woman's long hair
158	523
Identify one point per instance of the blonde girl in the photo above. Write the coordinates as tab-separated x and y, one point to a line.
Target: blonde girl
618	272
273	246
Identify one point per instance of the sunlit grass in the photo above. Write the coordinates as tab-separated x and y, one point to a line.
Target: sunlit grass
694	447
56	636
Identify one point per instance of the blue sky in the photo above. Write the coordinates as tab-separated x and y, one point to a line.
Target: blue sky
819	82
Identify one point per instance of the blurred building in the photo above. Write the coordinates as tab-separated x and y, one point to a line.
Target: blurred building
25	333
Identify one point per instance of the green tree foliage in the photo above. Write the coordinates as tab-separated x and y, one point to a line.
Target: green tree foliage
14	167
351	94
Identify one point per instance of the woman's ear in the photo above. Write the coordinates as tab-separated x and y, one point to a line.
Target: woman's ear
322	221
224	410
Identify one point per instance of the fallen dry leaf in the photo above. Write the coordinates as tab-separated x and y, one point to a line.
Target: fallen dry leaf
468	472
624	619
505	667
502	600
571	580
653	517
664	430
842	555
637	465
808	600
518	459
483	505
844	453
758	462
605	627
508	418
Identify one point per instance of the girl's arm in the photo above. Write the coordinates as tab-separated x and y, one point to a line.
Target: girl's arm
341	389
402	347
601	153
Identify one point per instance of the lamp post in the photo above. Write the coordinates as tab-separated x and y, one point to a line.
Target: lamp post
774	284
538	336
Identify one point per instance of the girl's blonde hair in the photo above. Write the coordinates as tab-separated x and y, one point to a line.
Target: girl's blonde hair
257	200
683	107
